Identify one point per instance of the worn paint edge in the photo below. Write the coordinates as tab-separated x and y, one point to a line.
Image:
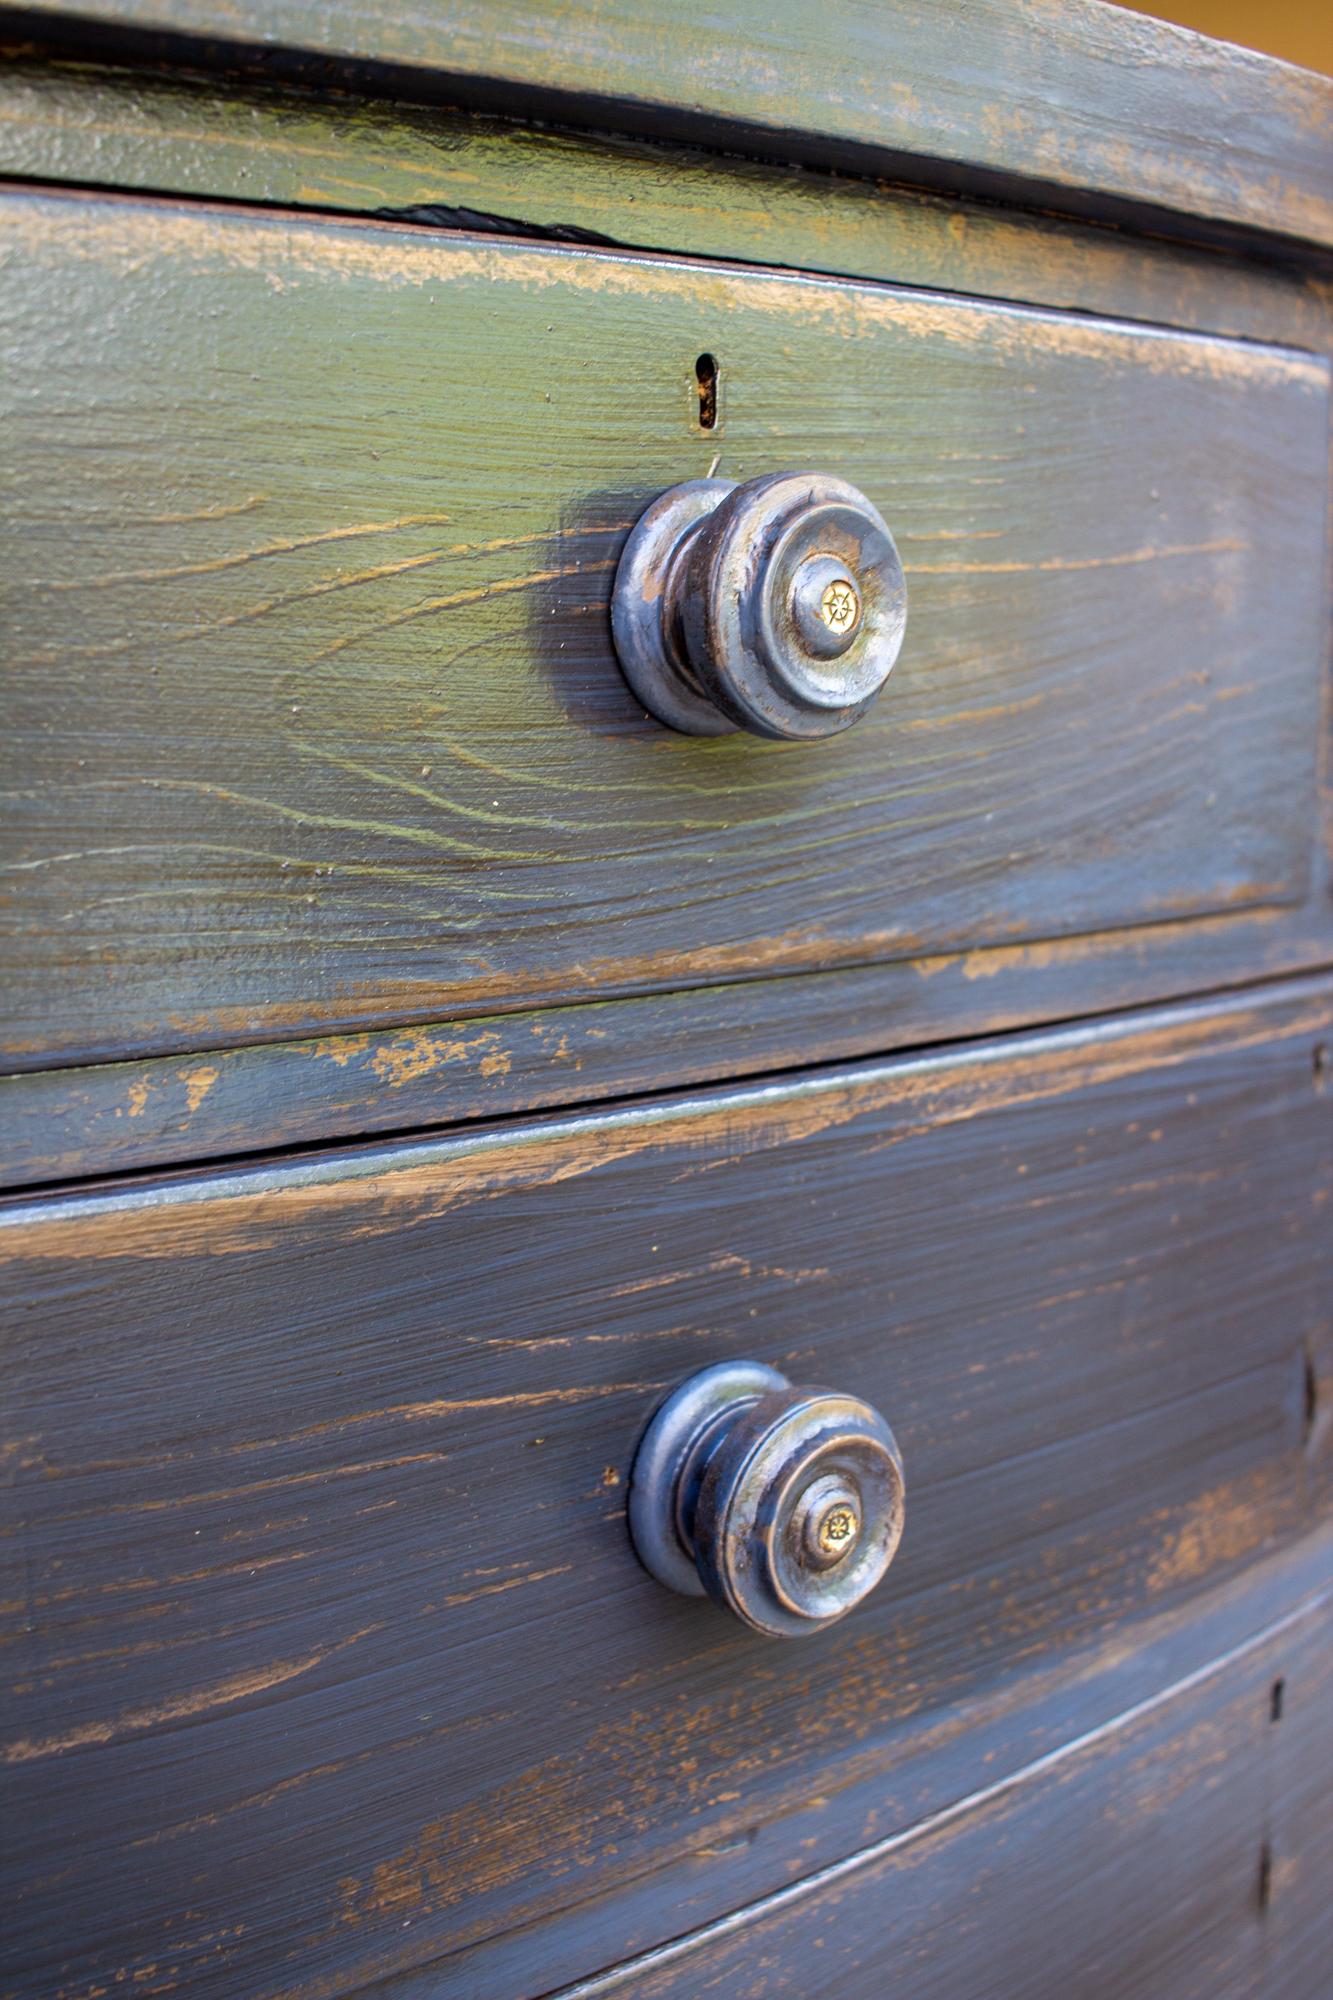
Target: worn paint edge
127	1115
663	1956
67	153
1168	1035
1269	190
54	223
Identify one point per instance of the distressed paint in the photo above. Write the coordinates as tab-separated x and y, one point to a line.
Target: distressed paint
268	1611
285	1713
293	751
1175	1848
256	143
1078	104
72	1123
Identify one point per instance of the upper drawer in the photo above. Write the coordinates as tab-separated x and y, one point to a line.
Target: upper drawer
314	717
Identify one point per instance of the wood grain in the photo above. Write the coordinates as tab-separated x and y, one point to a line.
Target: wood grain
328	734
113	1117
329	1666
330	1659
1077	103
1177	1853
164	134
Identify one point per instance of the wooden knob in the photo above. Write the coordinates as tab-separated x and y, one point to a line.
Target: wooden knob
778	606
783	1504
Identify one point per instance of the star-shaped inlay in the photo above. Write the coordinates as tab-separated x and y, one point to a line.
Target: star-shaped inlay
840	606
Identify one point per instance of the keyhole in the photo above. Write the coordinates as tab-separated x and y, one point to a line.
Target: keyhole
705	374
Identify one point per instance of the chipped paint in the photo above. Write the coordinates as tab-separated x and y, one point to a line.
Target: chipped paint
238	1213
198	1083
411	1056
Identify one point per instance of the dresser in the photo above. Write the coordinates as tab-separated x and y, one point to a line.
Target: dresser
667	1004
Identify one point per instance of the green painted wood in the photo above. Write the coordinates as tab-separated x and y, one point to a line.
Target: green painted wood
314	721
329	1658
250	142
1079	101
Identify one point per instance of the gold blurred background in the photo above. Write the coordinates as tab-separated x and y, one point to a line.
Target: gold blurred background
1300	31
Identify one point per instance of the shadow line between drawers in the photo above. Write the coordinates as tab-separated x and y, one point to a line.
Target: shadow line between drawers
225	1105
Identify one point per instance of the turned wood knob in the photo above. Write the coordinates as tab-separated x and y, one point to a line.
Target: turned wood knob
783	1504
778	606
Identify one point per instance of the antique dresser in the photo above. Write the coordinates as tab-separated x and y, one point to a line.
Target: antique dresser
667	917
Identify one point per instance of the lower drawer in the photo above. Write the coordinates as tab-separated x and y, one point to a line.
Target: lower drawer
329	1658
1178	1852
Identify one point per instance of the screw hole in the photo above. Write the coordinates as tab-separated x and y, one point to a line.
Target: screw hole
1265	1875
1309	1398
1276	1698
1321	1061
705	374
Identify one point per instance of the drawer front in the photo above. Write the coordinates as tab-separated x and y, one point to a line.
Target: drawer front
315	721
1180	1854
331	1657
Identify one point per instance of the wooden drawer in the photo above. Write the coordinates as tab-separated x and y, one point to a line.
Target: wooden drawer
1181	1850
314	721
337	1664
